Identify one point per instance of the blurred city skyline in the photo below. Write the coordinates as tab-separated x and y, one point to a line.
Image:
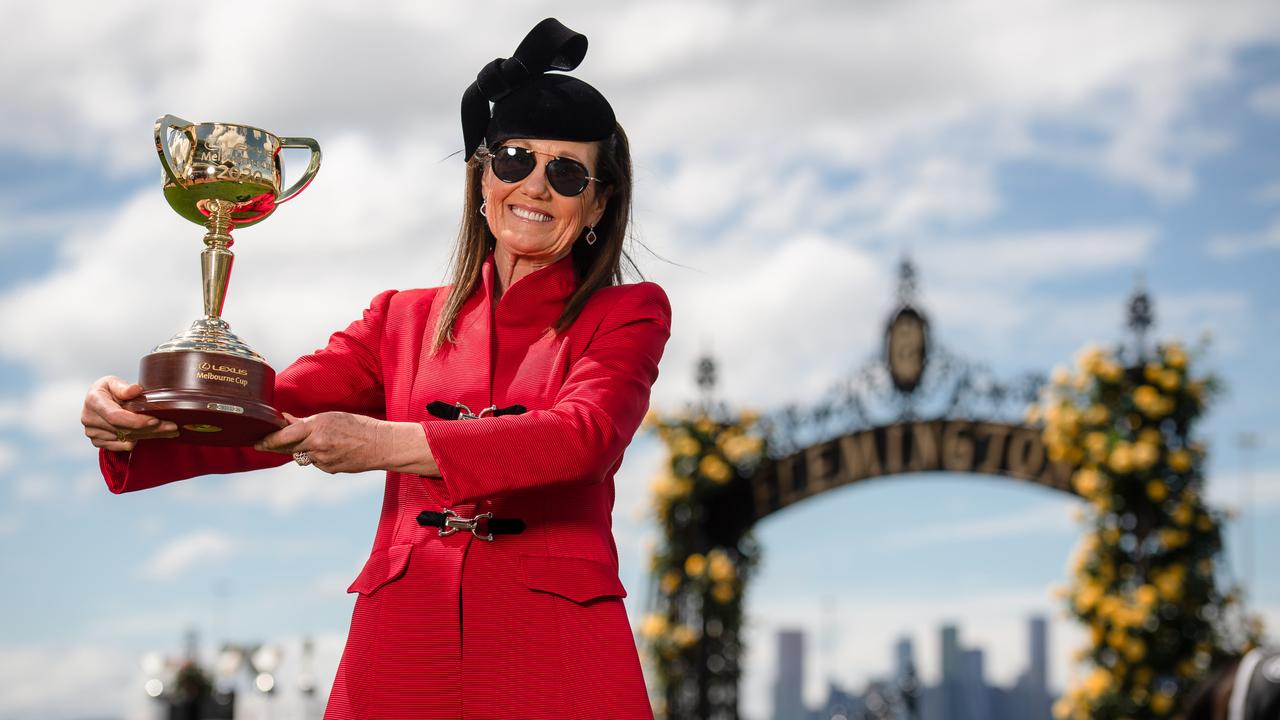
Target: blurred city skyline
1034	160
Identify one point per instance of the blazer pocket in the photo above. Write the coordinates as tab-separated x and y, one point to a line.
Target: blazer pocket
382	567
578	579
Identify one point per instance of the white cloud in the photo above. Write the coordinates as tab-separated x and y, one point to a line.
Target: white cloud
70	682
283	489
1231	246
789	312
182	553
1027	258
1256	491
1266	100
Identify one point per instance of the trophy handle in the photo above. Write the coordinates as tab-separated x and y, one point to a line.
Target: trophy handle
312	167
163	125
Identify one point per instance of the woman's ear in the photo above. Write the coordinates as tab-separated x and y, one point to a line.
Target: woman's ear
599	201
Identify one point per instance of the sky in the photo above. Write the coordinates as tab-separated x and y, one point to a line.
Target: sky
1036	160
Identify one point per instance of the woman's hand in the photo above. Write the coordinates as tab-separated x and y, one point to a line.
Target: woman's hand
339	442
109	426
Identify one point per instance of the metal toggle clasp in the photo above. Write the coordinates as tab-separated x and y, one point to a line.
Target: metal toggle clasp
455	522
464	413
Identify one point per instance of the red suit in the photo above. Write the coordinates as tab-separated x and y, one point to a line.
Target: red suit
530	625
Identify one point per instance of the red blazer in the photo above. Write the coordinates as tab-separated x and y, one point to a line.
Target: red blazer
530	625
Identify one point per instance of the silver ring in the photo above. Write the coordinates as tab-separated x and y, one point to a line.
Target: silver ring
302	458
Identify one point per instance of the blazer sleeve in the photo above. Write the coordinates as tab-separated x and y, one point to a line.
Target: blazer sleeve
594	416
345	375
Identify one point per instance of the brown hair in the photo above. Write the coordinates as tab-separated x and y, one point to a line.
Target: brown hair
596	266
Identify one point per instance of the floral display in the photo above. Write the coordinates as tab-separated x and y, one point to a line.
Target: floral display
1146	575
692	634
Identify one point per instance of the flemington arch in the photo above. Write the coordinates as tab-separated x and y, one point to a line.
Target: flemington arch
914	408
1119	434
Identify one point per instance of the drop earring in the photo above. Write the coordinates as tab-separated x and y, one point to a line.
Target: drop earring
591	235
484	208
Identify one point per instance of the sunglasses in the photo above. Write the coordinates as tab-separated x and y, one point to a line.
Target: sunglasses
512	164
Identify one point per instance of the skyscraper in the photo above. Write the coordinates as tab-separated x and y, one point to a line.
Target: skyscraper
904	659
949	690
788	689
1037	667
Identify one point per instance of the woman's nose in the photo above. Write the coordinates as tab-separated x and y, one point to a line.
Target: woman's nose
536	183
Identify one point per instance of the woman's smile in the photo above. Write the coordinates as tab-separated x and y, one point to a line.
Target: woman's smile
526	213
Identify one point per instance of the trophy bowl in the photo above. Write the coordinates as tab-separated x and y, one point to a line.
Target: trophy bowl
206	379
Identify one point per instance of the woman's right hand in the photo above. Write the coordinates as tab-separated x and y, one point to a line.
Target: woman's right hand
110	426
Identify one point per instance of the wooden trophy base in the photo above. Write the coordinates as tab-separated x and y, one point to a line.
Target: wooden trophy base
215	398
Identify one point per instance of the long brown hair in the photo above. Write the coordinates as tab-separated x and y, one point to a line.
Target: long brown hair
597	265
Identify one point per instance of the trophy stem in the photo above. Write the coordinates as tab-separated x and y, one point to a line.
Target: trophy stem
216	260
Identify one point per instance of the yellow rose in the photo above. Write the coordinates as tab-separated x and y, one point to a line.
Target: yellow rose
1161	702
1087	481
1174	356
654	625
715	469
704	425
1097	683
738	448
1134	650
670	582
1169	582
683	444
719	567
1121	459
1157	491
684	636
1183	514
1097	414
1144	454
1146	595
1204	523
1169	380
695	565
1061	376
1180	460
1171	538
1090	358
1151	372
1096	443
1111	372
722	593
1149	401
1087	597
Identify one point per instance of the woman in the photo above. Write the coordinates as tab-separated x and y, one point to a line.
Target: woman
499	406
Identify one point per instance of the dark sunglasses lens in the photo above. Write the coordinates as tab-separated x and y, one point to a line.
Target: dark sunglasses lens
567	177
513	164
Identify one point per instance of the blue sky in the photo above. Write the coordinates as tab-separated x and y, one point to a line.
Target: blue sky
1034	160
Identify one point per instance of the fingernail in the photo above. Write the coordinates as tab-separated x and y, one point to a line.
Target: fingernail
152	422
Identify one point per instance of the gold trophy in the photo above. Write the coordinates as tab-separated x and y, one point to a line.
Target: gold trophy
206	380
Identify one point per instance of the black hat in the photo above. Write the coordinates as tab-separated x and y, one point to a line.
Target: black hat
527	102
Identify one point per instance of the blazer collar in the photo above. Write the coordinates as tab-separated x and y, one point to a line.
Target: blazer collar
536	298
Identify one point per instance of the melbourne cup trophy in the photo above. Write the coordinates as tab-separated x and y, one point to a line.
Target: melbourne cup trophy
205	379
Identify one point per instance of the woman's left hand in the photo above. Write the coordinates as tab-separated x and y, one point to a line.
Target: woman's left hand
337	442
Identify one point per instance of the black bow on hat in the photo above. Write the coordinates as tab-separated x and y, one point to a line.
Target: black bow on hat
529	103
